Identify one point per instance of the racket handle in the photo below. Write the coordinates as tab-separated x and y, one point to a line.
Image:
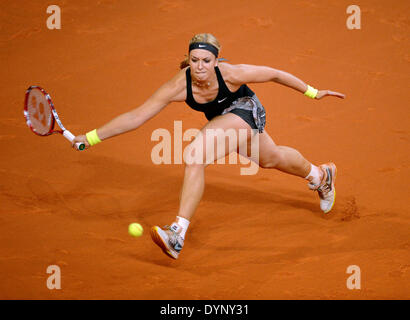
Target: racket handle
69	136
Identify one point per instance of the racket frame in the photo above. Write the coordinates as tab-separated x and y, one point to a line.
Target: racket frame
55	118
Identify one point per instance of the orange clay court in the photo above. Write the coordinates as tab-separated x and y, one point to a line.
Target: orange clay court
253	237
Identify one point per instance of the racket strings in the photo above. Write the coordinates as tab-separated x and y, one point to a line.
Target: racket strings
39	112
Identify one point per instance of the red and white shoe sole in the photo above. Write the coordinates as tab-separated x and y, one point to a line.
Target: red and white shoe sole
160	242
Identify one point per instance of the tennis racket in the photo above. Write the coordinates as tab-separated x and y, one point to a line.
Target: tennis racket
41	115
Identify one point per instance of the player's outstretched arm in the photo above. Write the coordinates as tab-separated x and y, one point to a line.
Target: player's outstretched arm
128	121
244	73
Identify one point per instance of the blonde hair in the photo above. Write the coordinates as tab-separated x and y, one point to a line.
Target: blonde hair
201	37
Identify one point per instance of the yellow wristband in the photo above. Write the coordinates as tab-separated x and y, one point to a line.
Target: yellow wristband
92	137
311	92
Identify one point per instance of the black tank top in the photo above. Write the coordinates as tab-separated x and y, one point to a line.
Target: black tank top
222	101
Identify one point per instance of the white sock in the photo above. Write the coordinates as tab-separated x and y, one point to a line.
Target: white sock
314	175
184	223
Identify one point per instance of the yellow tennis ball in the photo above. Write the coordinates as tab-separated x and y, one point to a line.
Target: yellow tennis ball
135	229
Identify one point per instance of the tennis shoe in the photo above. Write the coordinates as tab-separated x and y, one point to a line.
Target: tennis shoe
168	239
326	188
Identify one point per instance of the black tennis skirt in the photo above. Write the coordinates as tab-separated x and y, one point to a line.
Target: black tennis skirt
250	110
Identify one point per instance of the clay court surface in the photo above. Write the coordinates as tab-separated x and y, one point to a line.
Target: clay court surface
253	237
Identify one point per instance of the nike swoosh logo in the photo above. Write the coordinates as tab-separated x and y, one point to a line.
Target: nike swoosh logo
201	46
219	101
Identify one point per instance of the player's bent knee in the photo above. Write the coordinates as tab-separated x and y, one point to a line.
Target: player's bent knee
195	154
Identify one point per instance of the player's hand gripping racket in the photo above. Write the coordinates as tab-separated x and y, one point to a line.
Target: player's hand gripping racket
41	115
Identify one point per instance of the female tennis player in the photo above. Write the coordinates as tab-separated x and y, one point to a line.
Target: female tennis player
220	91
